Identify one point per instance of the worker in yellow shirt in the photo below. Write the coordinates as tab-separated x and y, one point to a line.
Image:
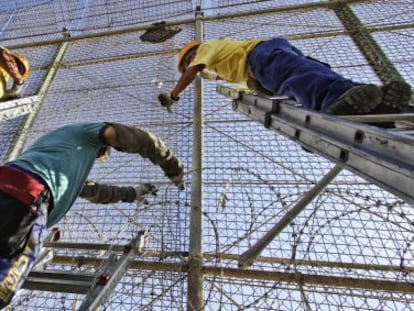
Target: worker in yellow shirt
15	66
275	67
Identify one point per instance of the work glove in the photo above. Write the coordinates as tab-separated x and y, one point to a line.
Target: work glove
166	100
143	190
178	180
174	170
15	91
257	87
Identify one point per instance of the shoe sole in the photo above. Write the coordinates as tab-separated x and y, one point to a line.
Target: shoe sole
358	100
396	96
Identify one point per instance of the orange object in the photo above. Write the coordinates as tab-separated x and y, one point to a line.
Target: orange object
185	49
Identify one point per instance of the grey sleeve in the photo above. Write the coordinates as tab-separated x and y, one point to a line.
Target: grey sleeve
147	145
102	193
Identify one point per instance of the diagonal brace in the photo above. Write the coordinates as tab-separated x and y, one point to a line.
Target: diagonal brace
247	258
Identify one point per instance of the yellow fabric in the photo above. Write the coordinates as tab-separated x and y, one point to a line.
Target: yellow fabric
227	57
183	53
4	77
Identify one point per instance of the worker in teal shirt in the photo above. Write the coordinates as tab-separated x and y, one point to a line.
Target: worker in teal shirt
275	67
39	187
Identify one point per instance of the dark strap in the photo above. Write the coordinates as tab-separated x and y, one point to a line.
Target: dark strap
20	185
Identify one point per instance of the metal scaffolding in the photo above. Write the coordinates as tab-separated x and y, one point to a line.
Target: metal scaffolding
262	223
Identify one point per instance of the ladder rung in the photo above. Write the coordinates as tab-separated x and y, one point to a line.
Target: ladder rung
57	281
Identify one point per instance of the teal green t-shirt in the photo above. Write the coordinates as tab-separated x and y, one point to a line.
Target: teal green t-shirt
63	158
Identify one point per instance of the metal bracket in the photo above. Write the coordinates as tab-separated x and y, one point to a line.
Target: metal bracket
273	110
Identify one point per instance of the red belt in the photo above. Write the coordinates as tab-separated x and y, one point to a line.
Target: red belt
20	185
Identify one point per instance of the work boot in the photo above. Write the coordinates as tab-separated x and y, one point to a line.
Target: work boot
257	87
396	96
360	99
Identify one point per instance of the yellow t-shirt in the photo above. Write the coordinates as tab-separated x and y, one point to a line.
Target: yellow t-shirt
227	57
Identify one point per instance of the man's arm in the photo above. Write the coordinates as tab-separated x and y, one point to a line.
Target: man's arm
134	140
185	80
104	193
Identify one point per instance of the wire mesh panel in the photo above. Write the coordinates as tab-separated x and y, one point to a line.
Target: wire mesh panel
349	249
39	20
237	6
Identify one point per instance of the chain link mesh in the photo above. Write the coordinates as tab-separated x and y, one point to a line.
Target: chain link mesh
350	249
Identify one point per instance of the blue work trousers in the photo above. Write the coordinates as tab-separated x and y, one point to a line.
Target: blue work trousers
284	70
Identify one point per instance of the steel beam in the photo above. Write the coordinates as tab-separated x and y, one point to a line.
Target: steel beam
247	258
362	283
362	37
209	256
195	296
291	8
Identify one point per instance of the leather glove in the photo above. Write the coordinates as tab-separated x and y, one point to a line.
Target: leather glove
143	190
166	100
178	180
174	170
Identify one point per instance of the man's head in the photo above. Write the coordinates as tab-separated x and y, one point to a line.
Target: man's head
186	55
22	64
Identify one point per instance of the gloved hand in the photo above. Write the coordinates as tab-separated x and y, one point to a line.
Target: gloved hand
166	100
143	190
174	170
178	180
14	92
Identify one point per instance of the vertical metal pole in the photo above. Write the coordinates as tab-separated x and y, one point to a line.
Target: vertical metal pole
195	297
247	258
